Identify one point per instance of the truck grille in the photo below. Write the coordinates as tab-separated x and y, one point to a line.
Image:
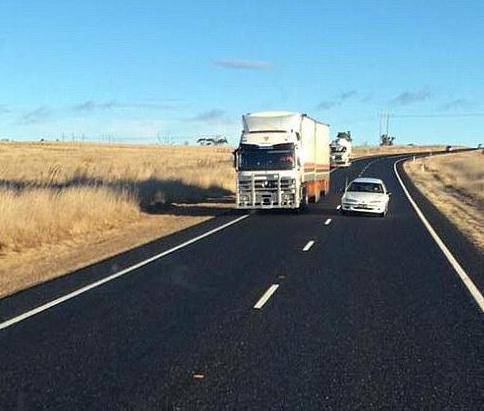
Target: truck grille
266	192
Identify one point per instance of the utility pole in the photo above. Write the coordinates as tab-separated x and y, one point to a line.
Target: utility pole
381	119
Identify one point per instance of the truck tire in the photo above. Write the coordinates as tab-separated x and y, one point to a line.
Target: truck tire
317	197
304	200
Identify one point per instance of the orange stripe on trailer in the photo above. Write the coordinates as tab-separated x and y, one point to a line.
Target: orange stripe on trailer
317	186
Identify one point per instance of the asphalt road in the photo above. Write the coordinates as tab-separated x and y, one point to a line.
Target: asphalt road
371	316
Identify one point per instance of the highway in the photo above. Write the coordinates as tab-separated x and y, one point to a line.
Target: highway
274	311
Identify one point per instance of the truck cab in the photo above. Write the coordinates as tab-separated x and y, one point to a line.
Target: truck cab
341	149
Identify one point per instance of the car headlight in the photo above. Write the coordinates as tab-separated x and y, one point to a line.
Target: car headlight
377	201
349	200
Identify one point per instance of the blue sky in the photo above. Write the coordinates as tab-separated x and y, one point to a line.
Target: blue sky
142	69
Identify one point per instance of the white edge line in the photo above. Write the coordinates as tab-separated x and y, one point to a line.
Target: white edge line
327	222
271	290
452	260
308	245
112	277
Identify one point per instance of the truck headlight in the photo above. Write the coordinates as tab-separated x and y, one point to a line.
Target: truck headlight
289	182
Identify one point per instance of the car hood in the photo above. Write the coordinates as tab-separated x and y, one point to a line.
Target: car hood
364	197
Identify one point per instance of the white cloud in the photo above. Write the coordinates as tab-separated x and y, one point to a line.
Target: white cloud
244	64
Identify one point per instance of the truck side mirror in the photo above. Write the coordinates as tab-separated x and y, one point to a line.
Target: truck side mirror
234	153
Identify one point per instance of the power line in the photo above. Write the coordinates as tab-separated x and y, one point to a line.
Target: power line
449	115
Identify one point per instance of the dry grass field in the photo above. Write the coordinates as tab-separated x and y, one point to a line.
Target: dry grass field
363	151
50	192
63	206
455	184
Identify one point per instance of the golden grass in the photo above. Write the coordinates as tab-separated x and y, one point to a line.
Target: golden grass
35	216
52	192
455	184
63	206
97	164
363	151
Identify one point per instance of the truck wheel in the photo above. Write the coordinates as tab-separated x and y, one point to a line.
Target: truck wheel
304	200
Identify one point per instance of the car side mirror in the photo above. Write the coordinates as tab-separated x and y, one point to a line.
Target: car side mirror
389	194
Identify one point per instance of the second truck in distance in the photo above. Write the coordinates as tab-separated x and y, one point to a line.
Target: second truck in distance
282	160
341	150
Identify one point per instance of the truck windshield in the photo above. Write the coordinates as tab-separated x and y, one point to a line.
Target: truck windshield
338	149
277	157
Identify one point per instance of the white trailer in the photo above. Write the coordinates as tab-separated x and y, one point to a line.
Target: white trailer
341	149
282	160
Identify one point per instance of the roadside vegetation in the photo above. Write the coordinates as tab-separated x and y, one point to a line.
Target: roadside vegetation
50	192
363	151
66	205
454	183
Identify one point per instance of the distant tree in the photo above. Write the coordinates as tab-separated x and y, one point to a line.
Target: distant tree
386	140
220	140
212	141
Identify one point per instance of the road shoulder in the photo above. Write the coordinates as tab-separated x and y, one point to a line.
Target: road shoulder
465	251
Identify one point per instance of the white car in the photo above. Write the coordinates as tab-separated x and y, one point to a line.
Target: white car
366	195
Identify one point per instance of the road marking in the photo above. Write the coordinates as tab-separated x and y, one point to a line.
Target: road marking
338	207
198	376
112	277
308	245
271	290
452	260
328	221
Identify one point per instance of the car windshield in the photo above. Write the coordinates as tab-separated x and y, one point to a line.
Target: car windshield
365	187
278	157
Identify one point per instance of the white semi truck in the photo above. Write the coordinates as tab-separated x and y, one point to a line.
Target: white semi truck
341	150
282	161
